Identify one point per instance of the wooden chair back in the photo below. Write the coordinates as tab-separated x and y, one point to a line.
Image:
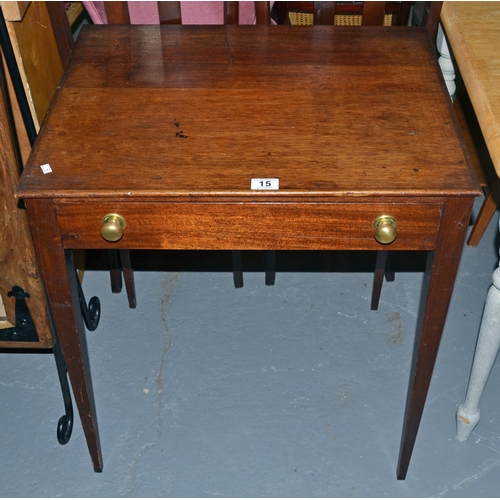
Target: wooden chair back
118	13
170	12
357	14
371	13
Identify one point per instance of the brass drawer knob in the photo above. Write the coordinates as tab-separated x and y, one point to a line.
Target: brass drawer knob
385	229
112	227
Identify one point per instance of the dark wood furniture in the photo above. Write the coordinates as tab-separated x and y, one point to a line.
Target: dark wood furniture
170	12
166	126
343	13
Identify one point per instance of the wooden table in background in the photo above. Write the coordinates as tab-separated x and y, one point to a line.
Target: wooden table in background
166	126
473	30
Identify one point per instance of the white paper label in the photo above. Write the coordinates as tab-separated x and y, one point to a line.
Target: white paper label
46	168
272	184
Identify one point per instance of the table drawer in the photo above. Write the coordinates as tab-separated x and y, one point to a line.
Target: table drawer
250	226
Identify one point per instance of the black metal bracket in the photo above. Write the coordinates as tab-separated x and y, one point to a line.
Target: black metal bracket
65	424
25	330
91	313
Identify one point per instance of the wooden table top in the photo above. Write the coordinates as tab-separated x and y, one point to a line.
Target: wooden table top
473	29
176	111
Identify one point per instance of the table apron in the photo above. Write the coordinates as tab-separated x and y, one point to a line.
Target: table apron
249	226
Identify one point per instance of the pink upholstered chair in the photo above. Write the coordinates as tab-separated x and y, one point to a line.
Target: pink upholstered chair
175	12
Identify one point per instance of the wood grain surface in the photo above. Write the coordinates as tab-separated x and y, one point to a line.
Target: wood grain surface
38	57
473	29
18	264
196	111
324	225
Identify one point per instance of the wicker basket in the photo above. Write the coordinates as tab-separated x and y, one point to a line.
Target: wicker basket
306	18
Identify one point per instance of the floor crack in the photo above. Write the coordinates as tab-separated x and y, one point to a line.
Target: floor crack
165	301
169	285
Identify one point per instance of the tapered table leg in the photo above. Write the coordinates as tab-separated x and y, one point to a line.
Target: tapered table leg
237	268
270	267
442	265
62	291
115	273
485	214
488	345
128	276
378	277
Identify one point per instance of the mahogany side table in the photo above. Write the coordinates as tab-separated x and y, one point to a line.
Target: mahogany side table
249	138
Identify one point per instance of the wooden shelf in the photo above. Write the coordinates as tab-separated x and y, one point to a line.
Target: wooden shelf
74	10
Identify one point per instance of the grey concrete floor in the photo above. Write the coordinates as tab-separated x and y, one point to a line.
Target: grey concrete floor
296	390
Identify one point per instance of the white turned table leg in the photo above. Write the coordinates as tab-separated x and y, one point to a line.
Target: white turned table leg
445	62
487	348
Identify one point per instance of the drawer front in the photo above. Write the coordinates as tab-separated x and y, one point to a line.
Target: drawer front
249	226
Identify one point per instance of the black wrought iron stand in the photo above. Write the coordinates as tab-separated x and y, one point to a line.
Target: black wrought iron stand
24	329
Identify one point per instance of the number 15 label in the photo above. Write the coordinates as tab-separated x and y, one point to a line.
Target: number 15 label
265	184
